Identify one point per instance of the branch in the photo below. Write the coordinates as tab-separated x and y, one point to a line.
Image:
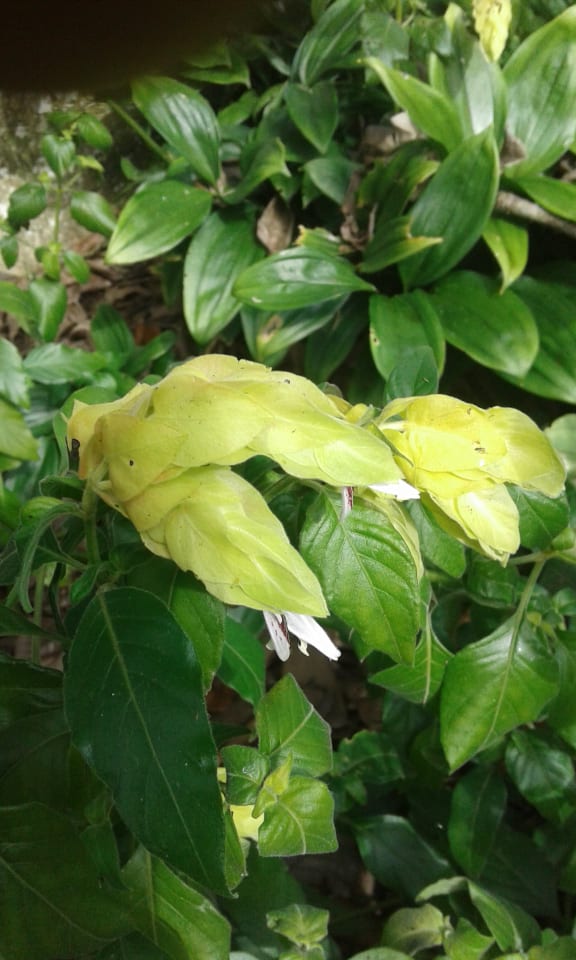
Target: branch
514	206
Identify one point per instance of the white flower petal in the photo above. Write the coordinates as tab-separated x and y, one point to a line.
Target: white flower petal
310	632
347	495
399	489
278	631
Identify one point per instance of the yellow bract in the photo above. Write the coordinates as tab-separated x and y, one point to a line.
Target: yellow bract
492	22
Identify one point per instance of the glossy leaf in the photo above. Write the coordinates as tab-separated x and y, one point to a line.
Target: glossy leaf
393	242
49	302
541	519
490	689
328	348
400	324
331	176
509	244
156	219
421	681
397	855
185	120
314	110
149	741
221	250
177	917
93	212
414	929
553	373
495	329
259	162
542	773
557	196
367	573
288	725
512	928
541	86
454	205
59	153
432	112
295	278
56	363
300	822
437	547
26	203
416	375
477	808
242	665
270	335
328	42
53	904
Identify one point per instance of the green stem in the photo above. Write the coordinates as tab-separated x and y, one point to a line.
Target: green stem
139	130
57	212
90	505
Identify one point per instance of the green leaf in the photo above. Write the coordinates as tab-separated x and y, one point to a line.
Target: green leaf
59	153
49	301
93	132
331	176
16	440
512	928
9	250
415	375
367	758
110	333
454	205
288	725
246	769
558	196
150	742
392	242
26	203
367	574
492	585
429	110
156	219
54	363
300	923
477	807
509	244
314	110
541	519
93	212
542	773
242	667
13	381
76	266
466	943
258	162
493	686
18	303
328	348
185	120
437	546
179	919
223	247
270	335
53	904
419	682
401	324
327	43
397	855
495	329
414	929
541	87
298	277
299	822
553	373
133	947
388	186
562	435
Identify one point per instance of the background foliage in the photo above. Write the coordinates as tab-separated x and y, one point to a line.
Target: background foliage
358	194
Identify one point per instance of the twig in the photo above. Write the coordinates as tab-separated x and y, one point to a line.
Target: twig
512	205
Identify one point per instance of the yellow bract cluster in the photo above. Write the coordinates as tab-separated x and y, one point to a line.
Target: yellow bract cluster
492	22
460	457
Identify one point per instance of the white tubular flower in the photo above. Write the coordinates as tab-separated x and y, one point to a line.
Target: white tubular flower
397	489
305	628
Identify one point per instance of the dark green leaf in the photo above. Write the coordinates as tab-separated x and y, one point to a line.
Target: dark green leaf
401	324
110	333
533	888
454	205
437	546
331	176
242	665
223	247
415	375
270	335
134	947
13	381
477	808
542	773
553	373
512	928
430	111
495	329
392	242
52	904
398	856
138	716
245	771
296	278
9	250
93	212
185	120
93	132
493	686
314	110
367	573
491	584
328	42
259	161
541	87
328	348
156	219
419	682
59	153
541	519
26	202
288	725
49	301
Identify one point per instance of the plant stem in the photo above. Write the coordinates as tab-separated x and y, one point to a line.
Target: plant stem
37	613
139	130
90	505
